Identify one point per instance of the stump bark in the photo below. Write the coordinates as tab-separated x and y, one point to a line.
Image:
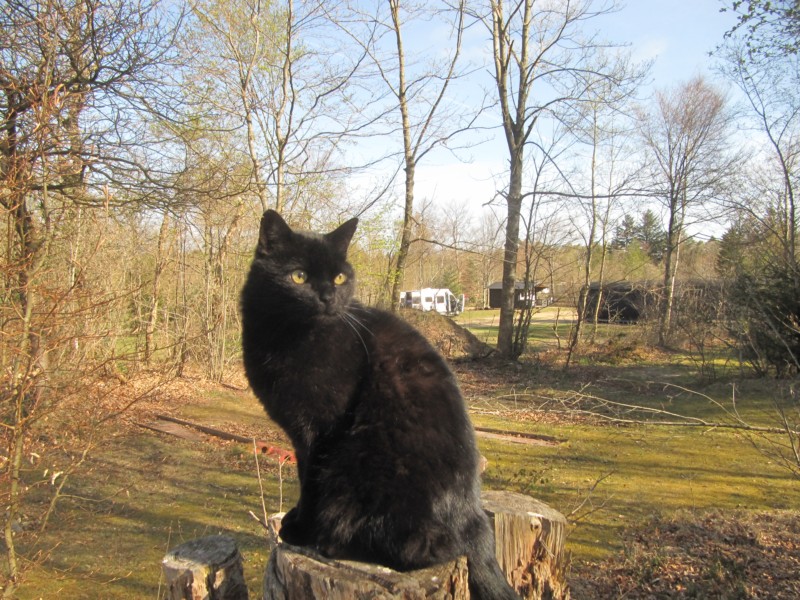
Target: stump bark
530	549
294	572
529	541
208	568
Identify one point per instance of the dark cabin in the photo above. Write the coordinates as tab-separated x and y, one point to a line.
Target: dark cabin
622	301
634	301
537	295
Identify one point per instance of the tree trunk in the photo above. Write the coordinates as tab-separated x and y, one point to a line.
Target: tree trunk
409	159
158	269
583	309
674	231
405	237
581	314
600	280
505	333
246	69
181	347
26	373
294	572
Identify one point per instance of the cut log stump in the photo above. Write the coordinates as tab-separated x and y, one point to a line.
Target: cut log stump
294	572
208	568
529	541
530	549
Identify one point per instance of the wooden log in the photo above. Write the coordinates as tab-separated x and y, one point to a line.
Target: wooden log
208	568
294	572
529	539
530	549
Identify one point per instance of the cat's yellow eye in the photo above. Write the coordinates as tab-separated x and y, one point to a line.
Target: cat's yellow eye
299	277
340	279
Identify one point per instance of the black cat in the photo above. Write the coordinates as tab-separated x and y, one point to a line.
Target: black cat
385	451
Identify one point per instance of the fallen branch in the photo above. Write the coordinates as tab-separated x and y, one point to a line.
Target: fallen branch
737	423
520	436
279	453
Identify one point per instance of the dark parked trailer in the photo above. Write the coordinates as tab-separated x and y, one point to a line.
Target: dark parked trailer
634	301
622	301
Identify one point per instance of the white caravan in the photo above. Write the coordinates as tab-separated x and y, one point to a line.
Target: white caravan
442	301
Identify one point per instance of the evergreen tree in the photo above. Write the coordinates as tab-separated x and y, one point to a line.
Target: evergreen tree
625	233
648	232
651	233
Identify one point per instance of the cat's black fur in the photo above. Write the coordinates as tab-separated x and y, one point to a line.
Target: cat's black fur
386	453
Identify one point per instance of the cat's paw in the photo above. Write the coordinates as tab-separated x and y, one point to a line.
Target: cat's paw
292	530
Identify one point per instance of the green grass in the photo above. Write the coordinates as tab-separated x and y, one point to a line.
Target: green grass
645	470
142	493
483	323
545	324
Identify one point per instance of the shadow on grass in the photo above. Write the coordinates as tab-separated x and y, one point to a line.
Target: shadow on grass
137	499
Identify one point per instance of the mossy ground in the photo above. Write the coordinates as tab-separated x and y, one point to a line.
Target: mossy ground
141	493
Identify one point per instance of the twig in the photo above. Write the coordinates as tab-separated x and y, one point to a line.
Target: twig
681	420
260	486
587	498
258	520
280	484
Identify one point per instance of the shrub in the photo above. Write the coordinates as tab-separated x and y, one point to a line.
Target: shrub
764	318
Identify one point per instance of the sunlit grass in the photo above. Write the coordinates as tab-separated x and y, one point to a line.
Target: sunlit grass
143	493
644	471
547	325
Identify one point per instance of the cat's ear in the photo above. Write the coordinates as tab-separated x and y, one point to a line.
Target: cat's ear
273	233
341	236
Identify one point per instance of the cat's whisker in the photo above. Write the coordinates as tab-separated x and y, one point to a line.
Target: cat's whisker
346	318
356	321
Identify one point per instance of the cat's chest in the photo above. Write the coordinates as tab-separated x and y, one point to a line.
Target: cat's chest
313	376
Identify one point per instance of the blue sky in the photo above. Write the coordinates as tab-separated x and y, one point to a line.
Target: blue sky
676	34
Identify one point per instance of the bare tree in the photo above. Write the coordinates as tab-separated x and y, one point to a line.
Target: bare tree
541	220
278	73
602	126
760	253
770	86
163	251
71	74
489	247
456	223
538	48
419	86
266	106
545	231
687	134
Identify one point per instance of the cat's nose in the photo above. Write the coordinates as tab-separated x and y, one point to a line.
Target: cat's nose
326	295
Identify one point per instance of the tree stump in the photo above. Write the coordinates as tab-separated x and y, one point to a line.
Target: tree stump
294	572
208	568
530	549
529	539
